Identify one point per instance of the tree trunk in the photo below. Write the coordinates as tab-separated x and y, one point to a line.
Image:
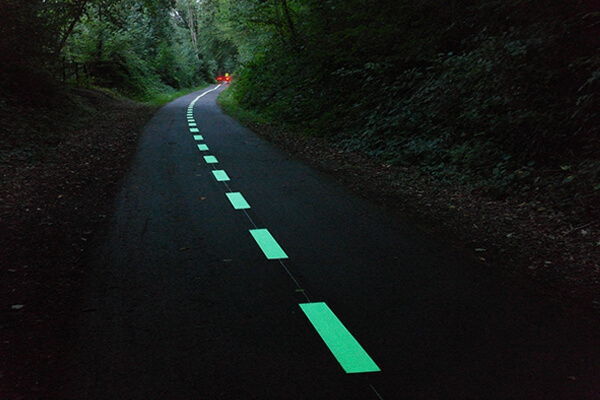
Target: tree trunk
76	17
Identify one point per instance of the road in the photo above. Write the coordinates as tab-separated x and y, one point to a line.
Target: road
310	293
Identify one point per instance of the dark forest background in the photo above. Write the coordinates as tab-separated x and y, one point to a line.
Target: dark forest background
503	95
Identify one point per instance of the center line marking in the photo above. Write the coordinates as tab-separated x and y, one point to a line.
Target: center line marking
194	130
268	244
192	124
202	147
211	159
345	348
237	200
198	137
220	175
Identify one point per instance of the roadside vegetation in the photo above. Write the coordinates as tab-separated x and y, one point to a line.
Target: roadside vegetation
499	95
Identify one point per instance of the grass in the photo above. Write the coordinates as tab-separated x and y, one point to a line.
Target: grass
229	104
159	99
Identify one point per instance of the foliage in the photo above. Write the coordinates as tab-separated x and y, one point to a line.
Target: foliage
136	47
479	90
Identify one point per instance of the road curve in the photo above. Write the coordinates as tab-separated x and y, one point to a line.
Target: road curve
193	295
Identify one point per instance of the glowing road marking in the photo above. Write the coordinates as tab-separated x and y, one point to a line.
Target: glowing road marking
268	244
192	124
237	200
198	137
220	175
345	348
194	130
207	92
211	159
202	147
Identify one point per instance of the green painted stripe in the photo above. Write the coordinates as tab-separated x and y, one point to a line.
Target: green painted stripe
194	130
202	147
220	175
237	200
192	123
268	244
198	137
211	159
347	351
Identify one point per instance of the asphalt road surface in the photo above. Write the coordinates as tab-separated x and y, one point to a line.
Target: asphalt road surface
311	293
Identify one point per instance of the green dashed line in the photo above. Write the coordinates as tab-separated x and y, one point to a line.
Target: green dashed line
268	244
345	348
220	175
237	200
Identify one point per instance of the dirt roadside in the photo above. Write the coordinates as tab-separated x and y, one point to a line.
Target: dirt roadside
57	191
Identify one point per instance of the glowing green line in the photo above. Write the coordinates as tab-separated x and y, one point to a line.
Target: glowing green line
198	137
268	244
211	159
220	175
345	348
237	200
194	130
192	123
202	147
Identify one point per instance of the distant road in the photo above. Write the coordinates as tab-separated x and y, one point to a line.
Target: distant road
233	271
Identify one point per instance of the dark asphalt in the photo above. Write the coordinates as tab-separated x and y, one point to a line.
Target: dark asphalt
182	303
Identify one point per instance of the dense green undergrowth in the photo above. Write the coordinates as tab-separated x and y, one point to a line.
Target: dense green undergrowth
502	96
